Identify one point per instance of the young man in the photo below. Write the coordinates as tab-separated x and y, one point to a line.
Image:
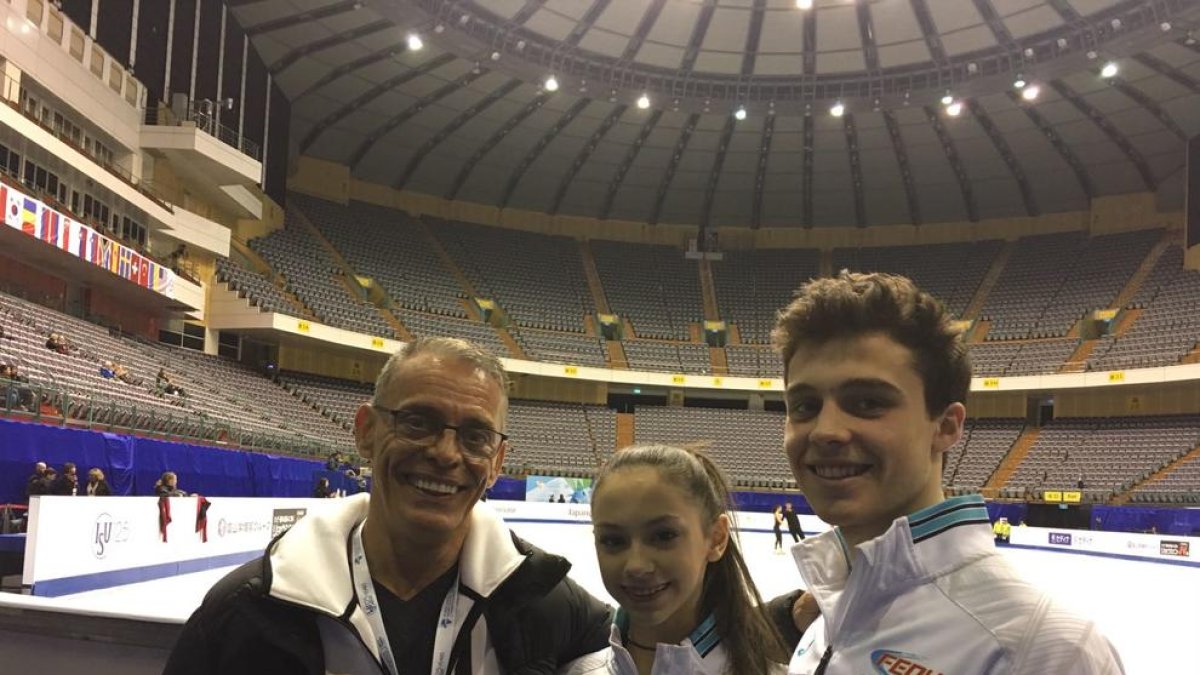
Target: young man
417	576
907	581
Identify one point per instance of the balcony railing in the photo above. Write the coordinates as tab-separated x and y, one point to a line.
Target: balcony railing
204	115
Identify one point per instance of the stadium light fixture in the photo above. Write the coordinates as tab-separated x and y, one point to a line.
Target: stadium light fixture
551	83
1031	92
838	109
643	102
1109	70
947	99
1019	83
414	42
740	113
954	109
804	4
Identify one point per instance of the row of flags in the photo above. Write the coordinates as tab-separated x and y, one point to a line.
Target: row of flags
37	220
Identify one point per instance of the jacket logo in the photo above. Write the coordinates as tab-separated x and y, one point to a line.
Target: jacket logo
888	662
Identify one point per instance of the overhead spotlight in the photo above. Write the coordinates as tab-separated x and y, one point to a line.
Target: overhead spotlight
1109	70
838	109
740	113
947	99
495	56
804	4
1031	92
1165	26
1116	24
954	109
1029	53
643	102
464	19
520	45
1062	43
439	29
1091	55
551	84
972	68
414	42
1019	83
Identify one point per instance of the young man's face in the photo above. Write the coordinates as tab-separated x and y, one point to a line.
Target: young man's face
860	442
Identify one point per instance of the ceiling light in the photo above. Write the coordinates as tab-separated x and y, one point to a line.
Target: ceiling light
1019	83
1109	70
1165	26
947	99
643	102
1031	92
804	4
551	84
740	113
414	42
439	29
495	56
838	109
954	109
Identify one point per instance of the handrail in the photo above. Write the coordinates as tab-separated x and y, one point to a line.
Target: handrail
205	120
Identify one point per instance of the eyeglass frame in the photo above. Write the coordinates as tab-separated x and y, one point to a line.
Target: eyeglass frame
433	438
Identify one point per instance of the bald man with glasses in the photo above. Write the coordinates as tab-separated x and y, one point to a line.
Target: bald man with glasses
418	576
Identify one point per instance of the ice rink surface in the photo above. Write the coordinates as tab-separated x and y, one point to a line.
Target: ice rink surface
1150	611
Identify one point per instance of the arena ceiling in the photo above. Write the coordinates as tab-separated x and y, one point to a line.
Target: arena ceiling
469	117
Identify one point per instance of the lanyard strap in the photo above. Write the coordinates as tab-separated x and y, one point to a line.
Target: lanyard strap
365	589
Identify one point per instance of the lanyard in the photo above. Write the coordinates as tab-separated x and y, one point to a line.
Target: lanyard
365	589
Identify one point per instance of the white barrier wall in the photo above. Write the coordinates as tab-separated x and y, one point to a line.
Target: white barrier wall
78	544
544	512
1161	547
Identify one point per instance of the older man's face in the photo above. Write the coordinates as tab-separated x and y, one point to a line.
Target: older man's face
431	487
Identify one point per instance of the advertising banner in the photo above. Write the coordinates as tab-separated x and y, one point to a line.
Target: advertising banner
78	544
1151	546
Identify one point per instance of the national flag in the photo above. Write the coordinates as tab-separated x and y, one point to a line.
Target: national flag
12	208
87	244
135	268
29	216
145	274
50	226
73	238
94	239
125	264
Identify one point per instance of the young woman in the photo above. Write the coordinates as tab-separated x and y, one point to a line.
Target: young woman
670	558
778	528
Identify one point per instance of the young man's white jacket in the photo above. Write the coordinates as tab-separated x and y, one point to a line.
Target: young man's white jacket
701	653
931	596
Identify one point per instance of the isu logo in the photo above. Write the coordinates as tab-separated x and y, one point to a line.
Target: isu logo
888	662
108	532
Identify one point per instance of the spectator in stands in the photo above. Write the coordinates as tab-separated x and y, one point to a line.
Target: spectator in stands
106	370
122	373
322	490
66	484
168	486
417	539
17	397
36	485
163	383
335	461
669	556
97	486
58	343
875	378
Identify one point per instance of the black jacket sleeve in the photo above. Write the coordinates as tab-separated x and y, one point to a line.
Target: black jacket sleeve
780	611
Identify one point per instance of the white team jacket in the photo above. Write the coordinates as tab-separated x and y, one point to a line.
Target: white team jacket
931	596
701	653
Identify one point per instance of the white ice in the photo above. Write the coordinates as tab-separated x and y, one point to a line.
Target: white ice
1148	610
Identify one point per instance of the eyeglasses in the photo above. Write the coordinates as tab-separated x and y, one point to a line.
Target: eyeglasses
476	440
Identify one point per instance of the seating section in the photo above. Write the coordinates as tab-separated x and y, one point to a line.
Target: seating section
985	442
219	392
432	325
1169	325
1105	454
1181	486
312	275
1052	281
655	287
389	247
753	361
951	272
334	398
752	285
254	287
580	350
1020	358
670	357
562	436
747	444
537	279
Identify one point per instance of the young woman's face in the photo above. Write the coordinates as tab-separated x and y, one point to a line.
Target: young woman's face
654	546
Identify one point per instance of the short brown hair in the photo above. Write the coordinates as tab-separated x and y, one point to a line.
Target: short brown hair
449	348
854	304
